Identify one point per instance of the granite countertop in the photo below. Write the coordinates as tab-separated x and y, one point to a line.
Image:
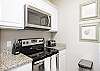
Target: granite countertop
59	46
9	61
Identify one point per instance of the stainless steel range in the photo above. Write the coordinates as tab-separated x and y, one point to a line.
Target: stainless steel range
34	48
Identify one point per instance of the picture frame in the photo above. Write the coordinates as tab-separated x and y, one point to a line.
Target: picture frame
89	10
89	32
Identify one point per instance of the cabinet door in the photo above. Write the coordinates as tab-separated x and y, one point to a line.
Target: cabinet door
0	7
54	20
27	67
47	64
53	63
62	60
12	13
41	5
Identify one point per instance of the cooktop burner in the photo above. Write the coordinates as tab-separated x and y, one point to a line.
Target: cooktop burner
43	54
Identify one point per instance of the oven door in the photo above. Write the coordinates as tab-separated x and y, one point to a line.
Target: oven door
38	66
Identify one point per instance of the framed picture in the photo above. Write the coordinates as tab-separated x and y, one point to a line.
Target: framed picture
89	32
89	10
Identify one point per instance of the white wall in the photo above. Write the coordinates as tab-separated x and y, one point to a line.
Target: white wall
68	11
0	41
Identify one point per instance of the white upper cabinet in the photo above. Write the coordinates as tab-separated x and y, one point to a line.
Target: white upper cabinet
0	9
12	13
54	20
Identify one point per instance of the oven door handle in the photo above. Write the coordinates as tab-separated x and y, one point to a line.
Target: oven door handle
39	62
49	21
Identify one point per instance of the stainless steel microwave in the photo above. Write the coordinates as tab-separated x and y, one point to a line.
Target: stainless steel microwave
35	18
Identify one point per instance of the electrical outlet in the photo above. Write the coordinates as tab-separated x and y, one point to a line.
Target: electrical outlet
8	43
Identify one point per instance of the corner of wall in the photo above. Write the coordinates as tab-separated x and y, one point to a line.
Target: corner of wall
0	41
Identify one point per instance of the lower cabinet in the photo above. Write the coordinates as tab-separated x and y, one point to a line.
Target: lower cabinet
47	64
56	62
62	60
26	67
50	63
53	63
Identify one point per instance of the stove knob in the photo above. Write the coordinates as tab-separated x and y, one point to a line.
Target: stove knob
33	41
27	42
24	42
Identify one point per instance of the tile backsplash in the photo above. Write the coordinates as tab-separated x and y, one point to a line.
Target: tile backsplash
8	36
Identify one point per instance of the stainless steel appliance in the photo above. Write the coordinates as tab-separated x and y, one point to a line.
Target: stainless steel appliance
50	43
35	18
34	48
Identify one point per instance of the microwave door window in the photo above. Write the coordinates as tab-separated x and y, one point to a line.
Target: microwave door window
33	18
37	18
41	67
38	66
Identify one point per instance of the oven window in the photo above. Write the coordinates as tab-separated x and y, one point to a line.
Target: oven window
41	67
38	66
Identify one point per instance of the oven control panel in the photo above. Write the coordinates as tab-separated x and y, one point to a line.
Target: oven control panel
32	41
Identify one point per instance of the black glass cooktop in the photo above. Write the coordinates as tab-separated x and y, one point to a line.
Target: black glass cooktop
39	53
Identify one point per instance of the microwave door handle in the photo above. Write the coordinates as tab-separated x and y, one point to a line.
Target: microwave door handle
49	21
